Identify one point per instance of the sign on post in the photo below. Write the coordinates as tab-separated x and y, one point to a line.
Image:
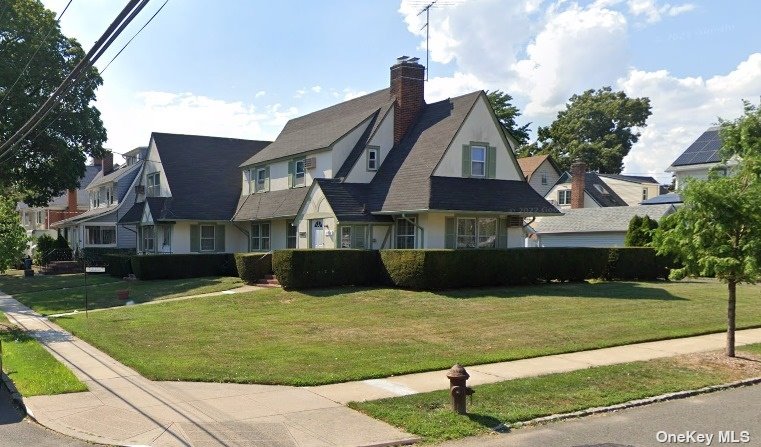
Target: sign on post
95	270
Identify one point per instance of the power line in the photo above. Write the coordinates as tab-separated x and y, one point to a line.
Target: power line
29	62
117	26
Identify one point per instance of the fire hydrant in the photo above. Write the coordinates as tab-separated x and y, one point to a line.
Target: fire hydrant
458	390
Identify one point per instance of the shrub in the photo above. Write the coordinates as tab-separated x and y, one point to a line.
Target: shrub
45	245
253	266
301	269
94	255
183	265
636	263
118	265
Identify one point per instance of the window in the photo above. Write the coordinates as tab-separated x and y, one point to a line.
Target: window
644	193
260	236
354	236
166	239
100	235
477	161
487	233
207	237
564	197
299	173
39	217
290	235
372	158
153	184
149	239
109	196
346	237
94	199
405	233
544	178
466	233
261	180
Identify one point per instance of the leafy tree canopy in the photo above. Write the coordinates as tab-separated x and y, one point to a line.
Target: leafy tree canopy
506	114
13	237
52	158
596	127
640	232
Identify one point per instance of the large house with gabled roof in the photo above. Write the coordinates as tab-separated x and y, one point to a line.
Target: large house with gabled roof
387	170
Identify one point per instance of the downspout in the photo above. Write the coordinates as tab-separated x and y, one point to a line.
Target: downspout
414	223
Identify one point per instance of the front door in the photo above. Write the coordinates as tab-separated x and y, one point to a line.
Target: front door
318	234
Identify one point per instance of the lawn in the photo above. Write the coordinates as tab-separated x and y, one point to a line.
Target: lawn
429	414
281	337
33	370
65	293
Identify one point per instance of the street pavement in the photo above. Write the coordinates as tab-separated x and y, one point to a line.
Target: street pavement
15	431
734	410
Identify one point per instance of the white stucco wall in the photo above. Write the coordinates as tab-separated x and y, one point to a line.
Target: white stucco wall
279	170
235	240
479	126
632	192
151	165
344	146
316	207
552	196
384	139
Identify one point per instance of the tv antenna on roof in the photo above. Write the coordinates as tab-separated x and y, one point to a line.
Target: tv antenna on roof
427	11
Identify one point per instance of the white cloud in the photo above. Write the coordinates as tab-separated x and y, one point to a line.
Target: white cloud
260	93
654	12
350	93
316	89
300	93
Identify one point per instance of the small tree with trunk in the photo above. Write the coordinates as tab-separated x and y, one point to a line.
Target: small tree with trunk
13	237
718	230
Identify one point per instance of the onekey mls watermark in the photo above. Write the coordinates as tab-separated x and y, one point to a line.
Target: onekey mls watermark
697	438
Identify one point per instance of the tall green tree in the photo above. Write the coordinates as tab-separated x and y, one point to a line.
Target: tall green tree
596	127
717	232
13	238
506	114
640	231
52	158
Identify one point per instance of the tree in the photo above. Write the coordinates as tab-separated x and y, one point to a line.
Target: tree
716	232
506	114
640	232
52	158
596	127
13	238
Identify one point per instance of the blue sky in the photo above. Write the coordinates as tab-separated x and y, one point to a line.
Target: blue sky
242	68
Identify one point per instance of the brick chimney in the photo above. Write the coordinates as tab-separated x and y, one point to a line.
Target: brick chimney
107	164
578	173
407	78
72	203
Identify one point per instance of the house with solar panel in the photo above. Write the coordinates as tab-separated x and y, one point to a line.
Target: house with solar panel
387	170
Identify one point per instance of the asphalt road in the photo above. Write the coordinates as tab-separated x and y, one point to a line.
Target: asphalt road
735	410
15	431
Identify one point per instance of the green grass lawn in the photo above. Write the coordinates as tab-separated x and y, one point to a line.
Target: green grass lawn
65	293
275	336
429	414
31	367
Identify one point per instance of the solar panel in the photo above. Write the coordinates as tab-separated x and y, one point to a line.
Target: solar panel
703	150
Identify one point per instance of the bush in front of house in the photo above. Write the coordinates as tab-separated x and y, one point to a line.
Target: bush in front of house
450	269
301	269
95	255
183	265
253	266
118	265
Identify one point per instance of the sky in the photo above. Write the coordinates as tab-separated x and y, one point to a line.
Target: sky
243	68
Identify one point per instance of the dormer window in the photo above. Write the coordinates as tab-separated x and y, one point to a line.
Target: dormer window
153	184
477	161
262	181
644	193
564	197
297	173
372	158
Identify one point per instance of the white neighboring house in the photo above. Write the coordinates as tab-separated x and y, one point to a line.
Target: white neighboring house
591	227
541	172
387	170
108	192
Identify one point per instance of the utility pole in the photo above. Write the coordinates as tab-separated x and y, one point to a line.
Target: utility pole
427	11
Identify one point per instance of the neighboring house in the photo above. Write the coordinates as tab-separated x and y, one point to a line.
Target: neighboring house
632	189
187	193
39	220
701	157
541	172
108	192
591	227
673	198
387	170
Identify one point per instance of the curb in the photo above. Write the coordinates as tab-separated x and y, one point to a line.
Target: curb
16	397
630	404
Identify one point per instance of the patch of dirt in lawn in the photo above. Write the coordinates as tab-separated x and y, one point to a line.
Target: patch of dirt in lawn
744	366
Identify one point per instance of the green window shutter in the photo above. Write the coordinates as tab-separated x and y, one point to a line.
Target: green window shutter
358	236
491	162
219	238
291	170
465	161
502	233
195	238
449	231
267	178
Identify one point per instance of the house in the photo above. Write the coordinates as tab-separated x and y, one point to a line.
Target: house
387	170
591	227
540	171
110	193
600	190
186	195
700	158
40	220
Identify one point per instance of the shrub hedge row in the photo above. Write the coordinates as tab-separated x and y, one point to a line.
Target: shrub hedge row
118	265
447	269
183	265
253	266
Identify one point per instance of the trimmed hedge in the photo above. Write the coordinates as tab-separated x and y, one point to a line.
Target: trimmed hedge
95	255
183	265
253	266
449	269
118	265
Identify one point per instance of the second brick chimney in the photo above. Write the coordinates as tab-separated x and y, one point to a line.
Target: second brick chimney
72	202
578	174
407	79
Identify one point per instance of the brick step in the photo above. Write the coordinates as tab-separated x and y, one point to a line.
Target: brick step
270	277
268	281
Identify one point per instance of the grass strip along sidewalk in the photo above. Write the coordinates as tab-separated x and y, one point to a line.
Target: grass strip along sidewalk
32	369
429	414
66	293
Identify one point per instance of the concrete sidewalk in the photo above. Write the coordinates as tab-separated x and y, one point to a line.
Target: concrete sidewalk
123	408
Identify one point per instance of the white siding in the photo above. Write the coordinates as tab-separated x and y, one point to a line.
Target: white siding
600	239
479	126
552	196
384	139
632	192
151	165
343	147
536	179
